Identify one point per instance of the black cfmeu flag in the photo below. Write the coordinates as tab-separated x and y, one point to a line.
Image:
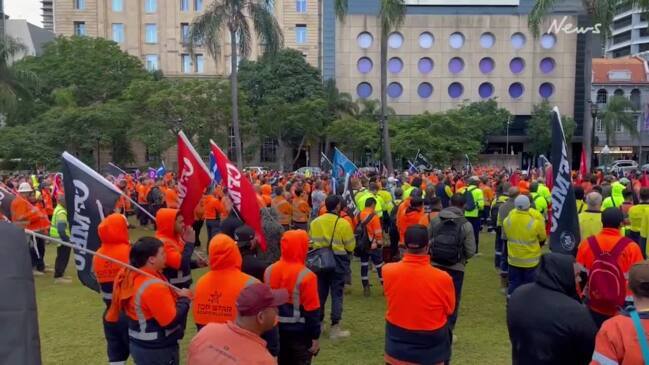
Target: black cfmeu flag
564	234
6	198
88	198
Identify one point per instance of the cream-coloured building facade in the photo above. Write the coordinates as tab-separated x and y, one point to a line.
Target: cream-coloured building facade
156	31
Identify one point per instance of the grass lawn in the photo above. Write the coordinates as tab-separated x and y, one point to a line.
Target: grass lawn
71	331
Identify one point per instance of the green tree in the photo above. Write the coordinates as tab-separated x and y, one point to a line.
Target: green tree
353	135
235	17
13	82
599	12
618	113
391	16
540	128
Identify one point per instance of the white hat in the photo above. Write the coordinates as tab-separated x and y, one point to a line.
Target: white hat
522	202
24	187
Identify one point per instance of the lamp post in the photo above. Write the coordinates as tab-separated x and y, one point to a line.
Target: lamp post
594	110
507	138
605	153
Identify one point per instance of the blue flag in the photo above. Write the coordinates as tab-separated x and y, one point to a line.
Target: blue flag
214	170
161	171
342	166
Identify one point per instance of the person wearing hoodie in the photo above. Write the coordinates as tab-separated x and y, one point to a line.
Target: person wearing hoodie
451	233
299	319
247	243
266	191
617	197
547	323
178	241
113	234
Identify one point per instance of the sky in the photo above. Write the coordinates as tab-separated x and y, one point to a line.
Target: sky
24	9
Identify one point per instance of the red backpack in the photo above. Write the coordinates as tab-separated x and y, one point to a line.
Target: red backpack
606	282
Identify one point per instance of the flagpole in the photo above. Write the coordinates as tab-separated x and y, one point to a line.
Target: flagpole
138	205
95	253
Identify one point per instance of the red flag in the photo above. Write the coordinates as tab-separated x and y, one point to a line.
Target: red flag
193	178
583	170
241	192
514	179
549	178
644	182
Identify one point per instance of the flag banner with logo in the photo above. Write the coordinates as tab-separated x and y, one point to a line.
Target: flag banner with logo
214	170
341	166
241	193
89	197
151	172
564	232
193	178
421	162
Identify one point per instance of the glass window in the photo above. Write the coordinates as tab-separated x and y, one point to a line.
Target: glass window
150	33
518	40
602	96
118	6
198	5
184	5
517	65
364	65
426	40
485	90
598	126
547	65
184	32
486	65
635	99
364	90
425	90
548	40
455	65
425	65
455	90
456	40
118	33
516	90
300	33
79	28
395	65
150	6
546	90
269	150
200	64
395	90
300	6
79	4
364	40
487	40
186	63
618	92
151	62
395	40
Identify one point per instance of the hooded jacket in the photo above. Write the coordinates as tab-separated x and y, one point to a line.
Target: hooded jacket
113	234
217	290
178	264
616	199
466	235
547	323
302	313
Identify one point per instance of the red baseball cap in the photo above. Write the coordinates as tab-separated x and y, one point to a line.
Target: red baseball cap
257	297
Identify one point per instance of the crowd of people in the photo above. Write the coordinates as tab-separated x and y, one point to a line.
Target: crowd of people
256	306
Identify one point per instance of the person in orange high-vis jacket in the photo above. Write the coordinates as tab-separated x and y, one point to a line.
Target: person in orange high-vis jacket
301	211
171	196
218	289
25	214
199	220
375	251
607	240
420	298
48	201
178	242
113	234
156	313
299	319
143	190
266	191
412	215
212	214
283	208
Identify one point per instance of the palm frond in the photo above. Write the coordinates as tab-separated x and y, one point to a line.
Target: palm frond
207	29
602	12
392	14
244	35
539	11
266	27
619	111
341	7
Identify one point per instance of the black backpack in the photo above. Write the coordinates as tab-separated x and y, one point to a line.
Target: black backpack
469	205
363	242
448	245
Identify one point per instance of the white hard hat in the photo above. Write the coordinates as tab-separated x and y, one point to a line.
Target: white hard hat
24	187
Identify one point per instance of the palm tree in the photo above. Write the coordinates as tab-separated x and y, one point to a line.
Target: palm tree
617	112
236	18
13	82
599	12
391	16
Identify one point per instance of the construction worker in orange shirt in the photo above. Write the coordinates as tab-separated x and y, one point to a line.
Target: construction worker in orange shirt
212	214
371	244
113	233
301	211
178	242
283	207
156	313
25	215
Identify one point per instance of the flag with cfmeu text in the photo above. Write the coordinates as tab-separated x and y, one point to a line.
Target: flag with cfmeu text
564	232
193	178
241	193
89	197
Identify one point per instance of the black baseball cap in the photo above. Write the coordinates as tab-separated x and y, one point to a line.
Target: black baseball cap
244	234
416	236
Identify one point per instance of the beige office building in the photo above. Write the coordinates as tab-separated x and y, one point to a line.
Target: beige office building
156	31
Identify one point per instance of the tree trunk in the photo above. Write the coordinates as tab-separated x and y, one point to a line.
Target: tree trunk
280	152
234	92
387	152
299	150
587	126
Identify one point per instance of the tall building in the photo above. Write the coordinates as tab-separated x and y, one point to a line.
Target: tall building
32	37
629	33
156	31
47	7
445	54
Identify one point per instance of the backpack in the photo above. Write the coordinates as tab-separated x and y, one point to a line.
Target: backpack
606	282
448	245
363	242
470	201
